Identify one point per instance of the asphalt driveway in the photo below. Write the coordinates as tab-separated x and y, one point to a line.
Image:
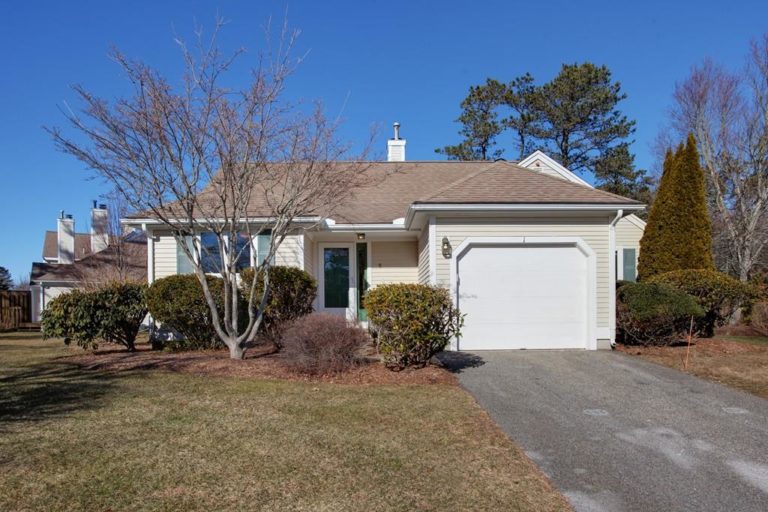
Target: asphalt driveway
619	434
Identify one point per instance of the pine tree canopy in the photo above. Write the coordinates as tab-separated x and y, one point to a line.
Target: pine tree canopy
574	118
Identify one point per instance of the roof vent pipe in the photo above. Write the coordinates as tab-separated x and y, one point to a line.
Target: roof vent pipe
396	146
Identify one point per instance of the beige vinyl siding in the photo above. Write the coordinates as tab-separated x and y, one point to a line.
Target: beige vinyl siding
394	262
290	253
165	255
628	234
594	231
424	256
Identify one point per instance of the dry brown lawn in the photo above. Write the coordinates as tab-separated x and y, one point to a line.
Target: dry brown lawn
737	361
145	432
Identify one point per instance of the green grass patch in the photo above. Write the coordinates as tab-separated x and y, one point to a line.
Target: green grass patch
73	439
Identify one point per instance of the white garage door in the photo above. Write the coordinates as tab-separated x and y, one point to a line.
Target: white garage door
523	296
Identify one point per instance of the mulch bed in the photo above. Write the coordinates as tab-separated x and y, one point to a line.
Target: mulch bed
260	364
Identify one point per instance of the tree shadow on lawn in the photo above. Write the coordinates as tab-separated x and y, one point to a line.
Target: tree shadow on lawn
54	388
456	362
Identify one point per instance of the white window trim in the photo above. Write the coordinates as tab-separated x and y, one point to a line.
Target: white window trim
521	241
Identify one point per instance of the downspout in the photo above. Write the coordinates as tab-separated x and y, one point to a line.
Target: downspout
612	276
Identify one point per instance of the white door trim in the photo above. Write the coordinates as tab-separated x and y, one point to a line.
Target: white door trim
351	311
577	242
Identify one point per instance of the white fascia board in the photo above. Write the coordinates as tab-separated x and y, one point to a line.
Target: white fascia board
158	222
516	207
554	164
345	228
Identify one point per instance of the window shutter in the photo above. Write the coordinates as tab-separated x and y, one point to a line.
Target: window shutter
630	264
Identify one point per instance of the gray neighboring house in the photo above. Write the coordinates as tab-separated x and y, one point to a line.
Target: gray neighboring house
70	258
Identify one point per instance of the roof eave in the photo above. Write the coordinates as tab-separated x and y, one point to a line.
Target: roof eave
417	207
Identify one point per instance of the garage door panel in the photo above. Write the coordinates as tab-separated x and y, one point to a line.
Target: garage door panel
523	297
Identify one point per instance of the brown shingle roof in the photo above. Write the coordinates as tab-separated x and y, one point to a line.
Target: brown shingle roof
97	265
502	182
51	245
397	185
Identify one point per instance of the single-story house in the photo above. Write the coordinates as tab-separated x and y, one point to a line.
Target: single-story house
529	251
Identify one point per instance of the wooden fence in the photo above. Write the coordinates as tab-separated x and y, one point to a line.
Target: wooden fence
15	309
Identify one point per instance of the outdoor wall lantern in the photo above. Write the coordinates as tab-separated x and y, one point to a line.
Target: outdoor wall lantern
361	236
446	246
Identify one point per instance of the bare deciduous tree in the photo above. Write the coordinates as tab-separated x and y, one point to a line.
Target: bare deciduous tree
208	158
125	256
728	115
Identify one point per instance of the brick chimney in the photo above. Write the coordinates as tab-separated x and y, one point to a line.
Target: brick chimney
99	227
396	146
66	239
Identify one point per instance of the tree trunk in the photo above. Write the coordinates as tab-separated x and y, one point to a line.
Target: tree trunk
236	351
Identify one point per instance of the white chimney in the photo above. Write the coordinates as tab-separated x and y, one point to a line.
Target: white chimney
99	227
396	146
66	239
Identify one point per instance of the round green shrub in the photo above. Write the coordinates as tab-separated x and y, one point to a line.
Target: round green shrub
178	302
112	313
719	294
292	293
654	313
71	316
121	308
411	322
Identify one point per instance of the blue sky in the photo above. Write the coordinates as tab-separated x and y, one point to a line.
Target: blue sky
373	62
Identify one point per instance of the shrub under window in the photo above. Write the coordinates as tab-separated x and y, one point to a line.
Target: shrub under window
178	302
292	293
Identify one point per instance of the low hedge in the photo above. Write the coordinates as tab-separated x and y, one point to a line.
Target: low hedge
654	313
111	313
292	293
719	295
411	322
178	302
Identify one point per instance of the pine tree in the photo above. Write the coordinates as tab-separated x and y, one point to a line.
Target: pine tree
6	282
480	124
679	231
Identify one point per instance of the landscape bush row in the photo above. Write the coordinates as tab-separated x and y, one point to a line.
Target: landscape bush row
409	323
665	308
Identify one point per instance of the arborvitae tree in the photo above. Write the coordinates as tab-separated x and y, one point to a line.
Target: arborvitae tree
679	232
